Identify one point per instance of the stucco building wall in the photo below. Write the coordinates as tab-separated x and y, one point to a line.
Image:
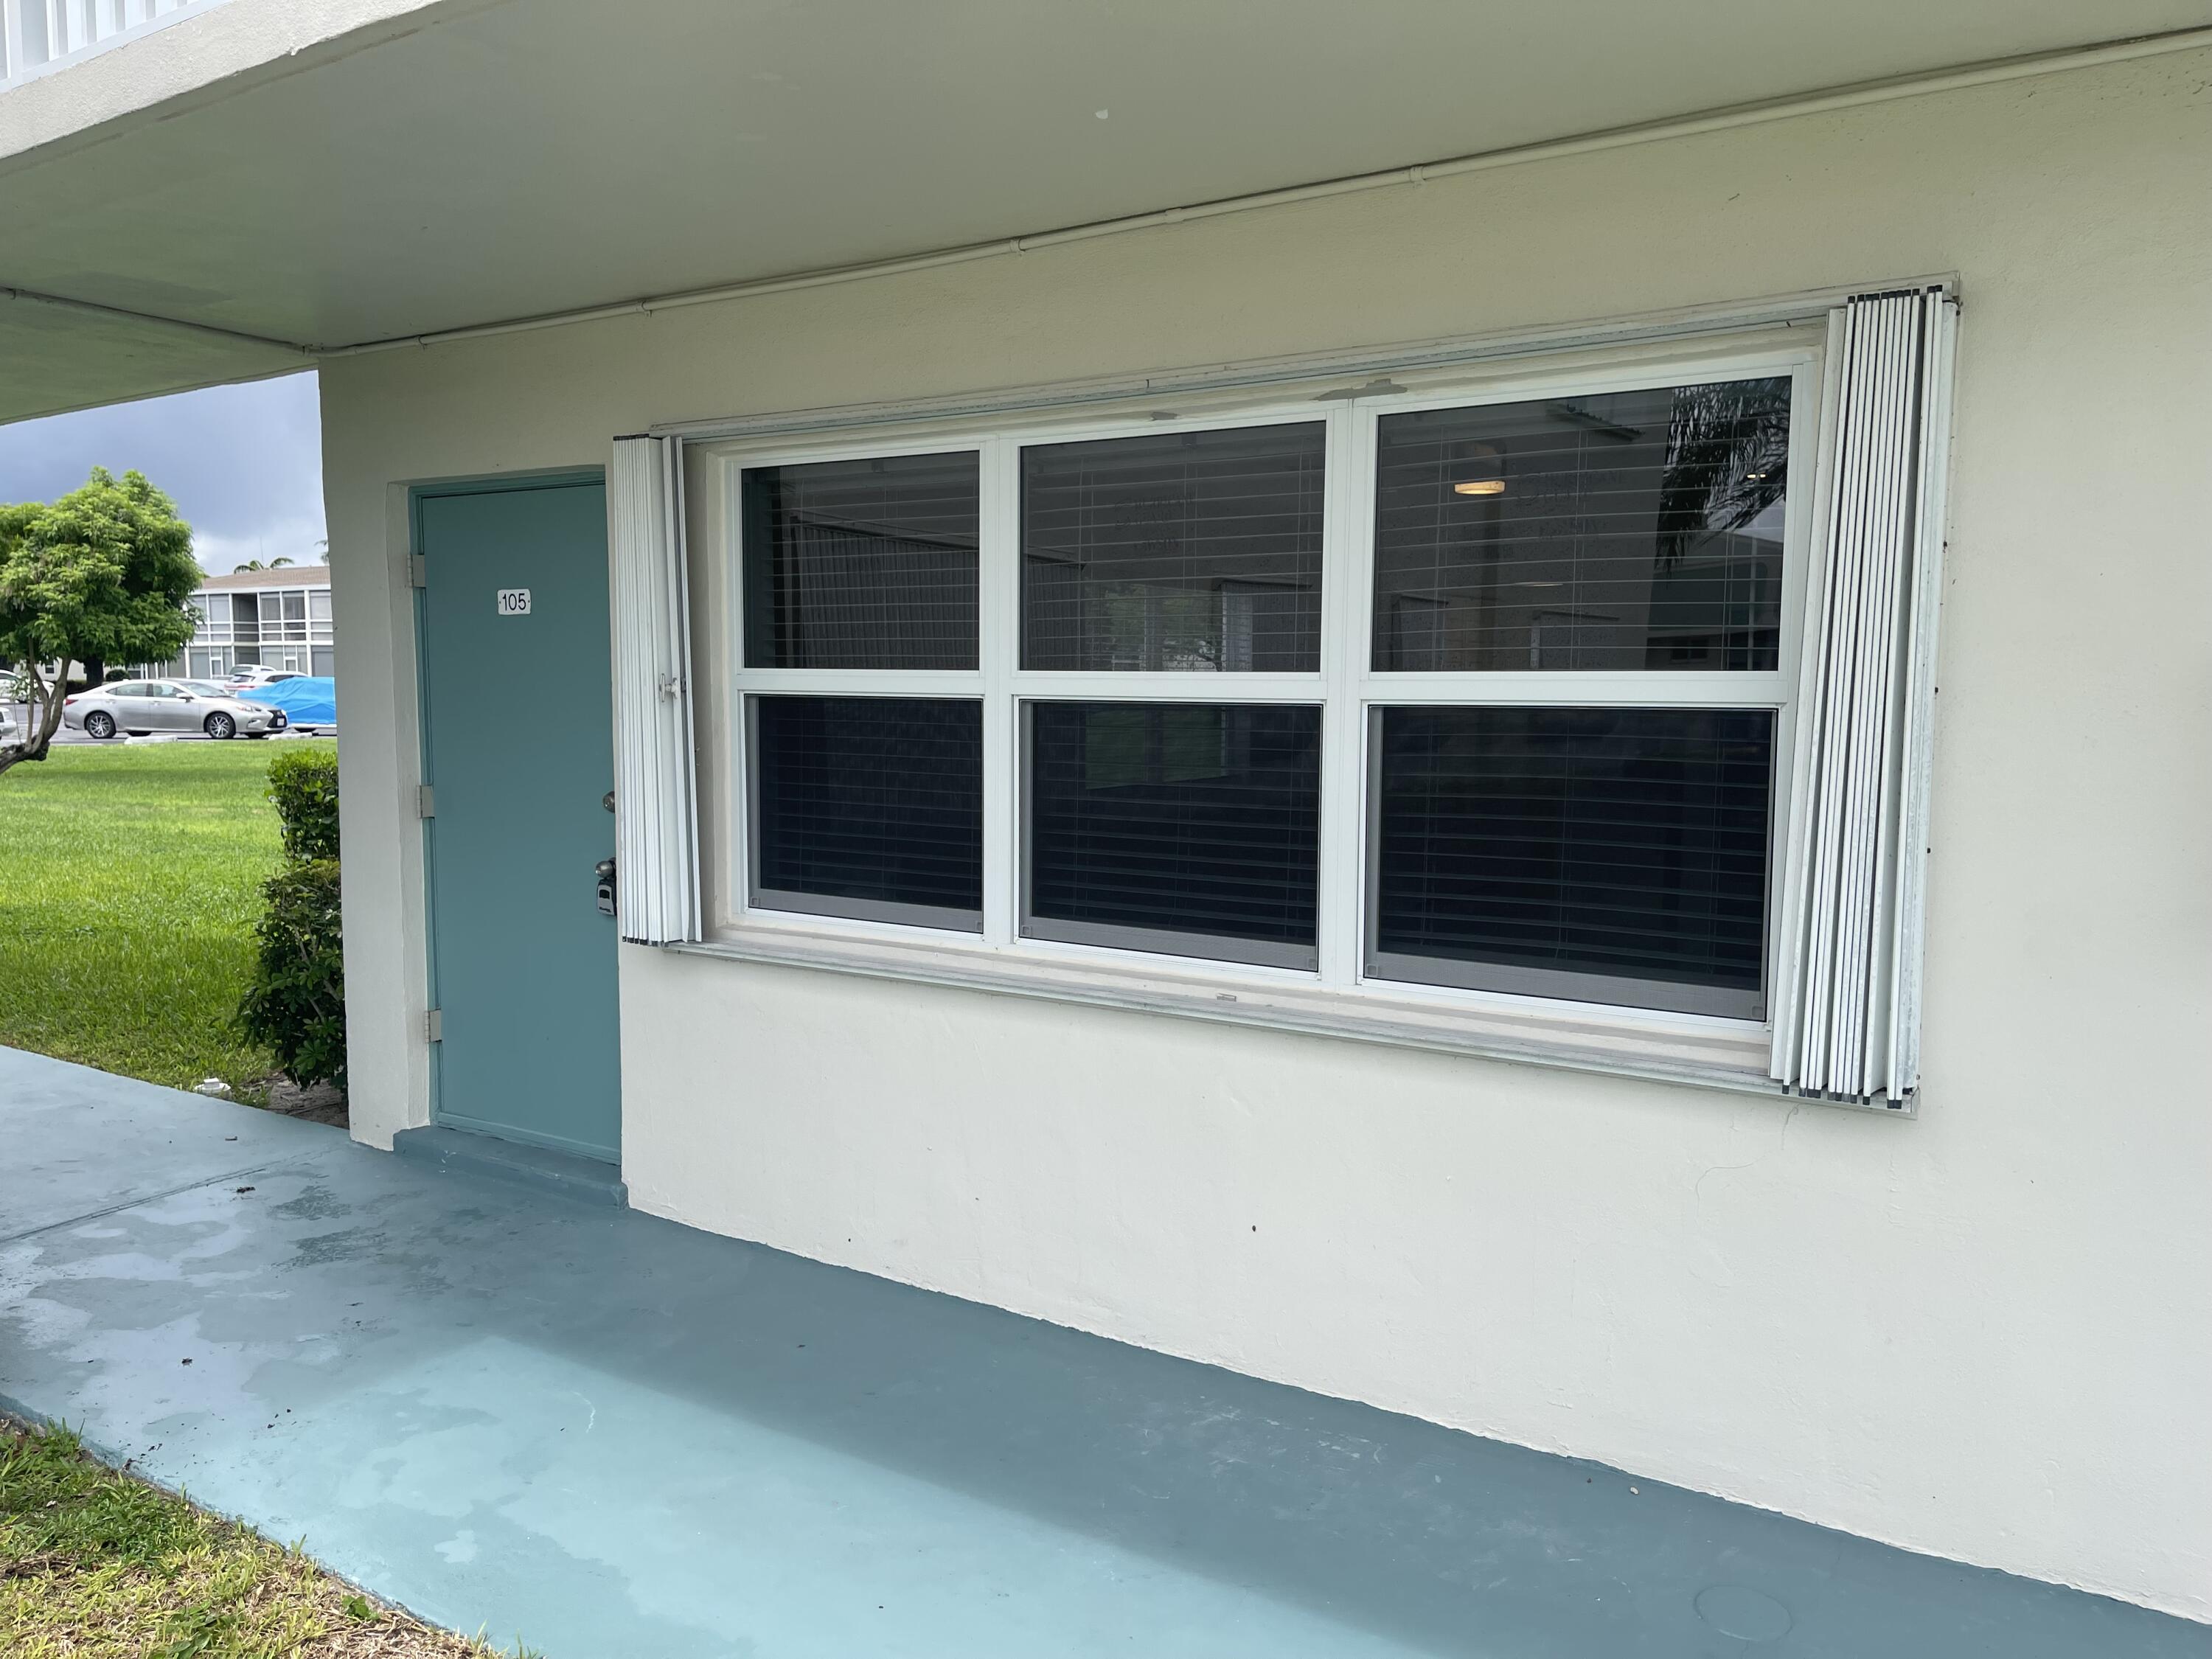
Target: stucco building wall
1985	1332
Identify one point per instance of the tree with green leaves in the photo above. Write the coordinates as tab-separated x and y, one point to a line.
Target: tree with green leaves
1728	461
104	574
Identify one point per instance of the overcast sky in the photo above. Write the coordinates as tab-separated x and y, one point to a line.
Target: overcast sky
244	464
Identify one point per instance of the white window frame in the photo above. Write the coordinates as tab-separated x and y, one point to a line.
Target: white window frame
1338	994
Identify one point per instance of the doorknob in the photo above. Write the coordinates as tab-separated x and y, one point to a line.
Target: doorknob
607	801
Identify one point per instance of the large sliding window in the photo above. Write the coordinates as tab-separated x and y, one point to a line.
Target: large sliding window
1552	810
863	801
1174	815
1405	694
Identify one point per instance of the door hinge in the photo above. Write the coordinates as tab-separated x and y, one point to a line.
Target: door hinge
434	1025
426	801
419	571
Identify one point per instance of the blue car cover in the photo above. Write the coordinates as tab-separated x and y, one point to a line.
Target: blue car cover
310	699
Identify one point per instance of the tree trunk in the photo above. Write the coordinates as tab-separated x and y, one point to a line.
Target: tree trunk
46	719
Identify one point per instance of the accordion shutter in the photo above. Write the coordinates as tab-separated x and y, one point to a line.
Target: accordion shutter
1847	1019
656	843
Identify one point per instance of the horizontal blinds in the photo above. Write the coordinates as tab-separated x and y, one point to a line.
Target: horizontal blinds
1847	1028
656	841
1190	551
1620	530
861	564
876	803
1181	821
1601	854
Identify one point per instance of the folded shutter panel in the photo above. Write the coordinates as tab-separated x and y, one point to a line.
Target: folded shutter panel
1846	1021
656	843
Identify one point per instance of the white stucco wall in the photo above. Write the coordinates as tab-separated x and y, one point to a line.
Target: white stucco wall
1985	1332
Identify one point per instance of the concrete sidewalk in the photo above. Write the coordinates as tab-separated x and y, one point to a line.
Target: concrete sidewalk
612	1435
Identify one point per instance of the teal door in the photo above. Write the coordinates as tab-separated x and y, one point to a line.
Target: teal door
518	751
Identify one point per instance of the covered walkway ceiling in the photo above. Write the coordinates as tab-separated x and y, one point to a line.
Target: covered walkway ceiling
470	162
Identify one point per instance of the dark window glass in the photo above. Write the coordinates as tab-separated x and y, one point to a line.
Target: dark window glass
1603	855
870	807
1184	828
1630	530
1182	550
861	564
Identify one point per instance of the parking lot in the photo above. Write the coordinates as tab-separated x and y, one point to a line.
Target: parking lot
68	734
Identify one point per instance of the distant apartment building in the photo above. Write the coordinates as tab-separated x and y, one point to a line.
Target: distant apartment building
277	618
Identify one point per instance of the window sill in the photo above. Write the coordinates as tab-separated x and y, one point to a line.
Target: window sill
1575	1038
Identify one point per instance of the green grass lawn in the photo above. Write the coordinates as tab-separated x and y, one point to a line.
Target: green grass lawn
93	1563
130	883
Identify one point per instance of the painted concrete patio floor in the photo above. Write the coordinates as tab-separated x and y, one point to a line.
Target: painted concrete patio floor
617	1437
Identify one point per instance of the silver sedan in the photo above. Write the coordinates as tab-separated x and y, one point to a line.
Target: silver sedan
140	707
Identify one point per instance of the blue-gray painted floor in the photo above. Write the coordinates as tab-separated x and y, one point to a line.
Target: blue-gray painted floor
613	1436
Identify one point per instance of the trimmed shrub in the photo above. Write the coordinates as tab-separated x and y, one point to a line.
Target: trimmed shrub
297	1003
304	784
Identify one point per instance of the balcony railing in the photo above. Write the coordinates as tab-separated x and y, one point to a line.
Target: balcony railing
37	36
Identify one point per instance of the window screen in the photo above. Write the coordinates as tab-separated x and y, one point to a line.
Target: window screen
1180	551
861	564
1626	530
1601	854
869	807
1183	827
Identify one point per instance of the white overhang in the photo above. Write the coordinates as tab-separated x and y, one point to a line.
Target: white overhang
266	179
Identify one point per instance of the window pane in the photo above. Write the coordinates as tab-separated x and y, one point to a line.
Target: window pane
870	807
1603	855
861	564
1630	530
1186	550
296	607
319	604
1184	828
